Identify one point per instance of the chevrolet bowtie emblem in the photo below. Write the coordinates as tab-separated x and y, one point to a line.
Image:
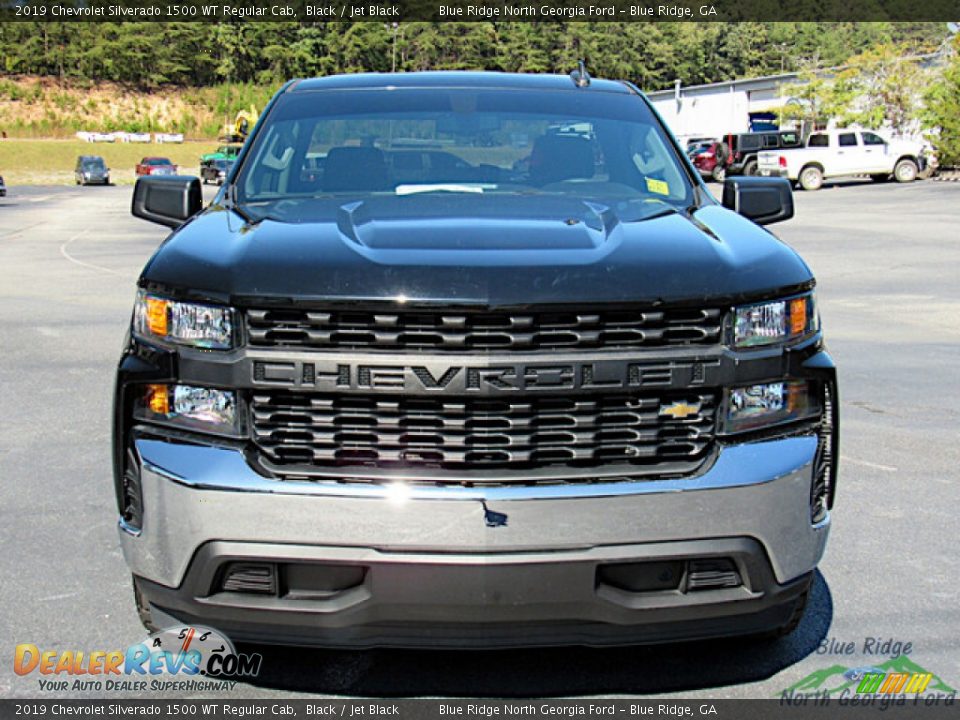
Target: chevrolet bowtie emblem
679	410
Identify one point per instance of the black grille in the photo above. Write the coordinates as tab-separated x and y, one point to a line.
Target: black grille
299	430
606	329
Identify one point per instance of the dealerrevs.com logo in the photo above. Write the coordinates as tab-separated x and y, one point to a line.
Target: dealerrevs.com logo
180	658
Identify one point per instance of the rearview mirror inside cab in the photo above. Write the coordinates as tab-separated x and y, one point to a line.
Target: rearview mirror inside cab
764	200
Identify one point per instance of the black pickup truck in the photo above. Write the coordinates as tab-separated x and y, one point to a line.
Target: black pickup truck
472	359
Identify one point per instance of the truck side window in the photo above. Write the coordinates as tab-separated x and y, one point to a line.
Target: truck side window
789	139
870	138
847	140
819	141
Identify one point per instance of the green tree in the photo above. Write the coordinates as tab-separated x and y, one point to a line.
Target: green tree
527	46
888	85
654	55
819	98
941	112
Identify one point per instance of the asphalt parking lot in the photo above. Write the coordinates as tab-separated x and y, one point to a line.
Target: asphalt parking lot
887	259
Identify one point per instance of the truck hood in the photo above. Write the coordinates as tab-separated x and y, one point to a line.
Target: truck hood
476	250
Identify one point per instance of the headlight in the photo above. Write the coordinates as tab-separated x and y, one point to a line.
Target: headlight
774	322
203	326
756	406
191	407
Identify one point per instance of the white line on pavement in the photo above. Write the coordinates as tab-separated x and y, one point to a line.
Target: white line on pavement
866	463
75	261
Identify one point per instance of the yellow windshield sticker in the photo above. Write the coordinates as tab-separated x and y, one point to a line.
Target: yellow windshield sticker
658	186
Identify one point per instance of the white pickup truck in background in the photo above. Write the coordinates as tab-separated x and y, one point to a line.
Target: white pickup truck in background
836	153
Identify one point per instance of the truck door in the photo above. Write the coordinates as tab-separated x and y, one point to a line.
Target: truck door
876	153
850	156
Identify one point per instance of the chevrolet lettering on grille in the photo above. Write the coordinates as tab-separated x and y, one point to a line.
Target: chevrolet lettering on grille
479	379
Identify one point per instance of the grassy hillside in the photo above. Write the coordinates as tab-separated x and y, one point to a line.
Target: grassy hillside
34	107
51	162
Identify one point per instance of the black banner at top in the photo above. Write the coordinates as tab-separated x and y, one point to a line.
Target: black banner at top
347	11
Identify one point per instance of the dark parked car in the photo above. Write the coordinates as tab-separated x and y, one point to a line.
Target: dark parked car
215	171
91	170
547	392
155	166
736	153
3	188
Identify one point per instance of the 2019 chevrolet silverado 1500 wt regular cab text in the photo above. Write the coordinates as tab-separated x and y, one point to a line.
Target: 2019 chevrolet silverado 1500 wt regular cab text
470	359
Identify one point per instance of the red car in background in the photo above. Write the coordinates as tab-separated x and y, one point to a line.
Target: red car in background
706	163
156	166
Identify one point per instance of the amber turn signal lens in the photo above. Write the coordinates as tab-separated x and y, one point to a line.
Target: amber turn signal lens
798	316
157	316
158	399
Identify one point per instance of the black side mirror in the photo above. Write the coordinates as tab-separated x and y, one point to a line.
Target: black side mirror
169	201
764	200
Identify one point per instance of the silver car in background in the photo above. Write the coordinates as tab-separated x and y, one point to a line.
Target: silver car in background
91	170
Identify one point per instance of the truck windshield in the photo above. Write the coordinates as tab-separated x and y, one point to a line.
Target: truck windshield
347	144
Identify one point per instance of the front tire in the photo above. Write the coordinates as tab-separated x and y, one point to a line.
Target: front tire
811	178
750	168
719	173
905	171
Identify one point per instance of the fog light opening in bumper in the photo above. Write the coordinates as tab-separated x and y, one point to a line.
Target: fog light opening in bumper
293	581
246	577
643	576
691	575
712	574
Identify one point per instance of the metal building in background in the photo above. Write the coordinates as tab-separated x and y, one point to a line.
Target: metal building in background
719	108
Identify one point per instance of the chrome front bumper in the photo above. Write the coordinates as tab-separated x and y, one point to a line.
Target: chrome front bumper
437	554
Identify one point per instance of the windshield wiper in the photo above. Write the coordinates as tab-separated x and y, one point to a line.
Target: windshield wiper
668	210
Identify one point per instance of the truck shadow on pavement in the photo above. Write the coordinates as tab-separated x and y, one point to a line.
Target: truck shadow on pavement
545	672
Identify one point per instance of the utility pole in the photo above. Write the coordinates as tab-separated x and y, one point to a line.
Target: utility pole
393	52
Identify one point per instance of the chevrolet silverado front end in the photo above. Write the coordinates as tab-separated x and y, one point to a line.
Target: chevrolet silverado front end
468	359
